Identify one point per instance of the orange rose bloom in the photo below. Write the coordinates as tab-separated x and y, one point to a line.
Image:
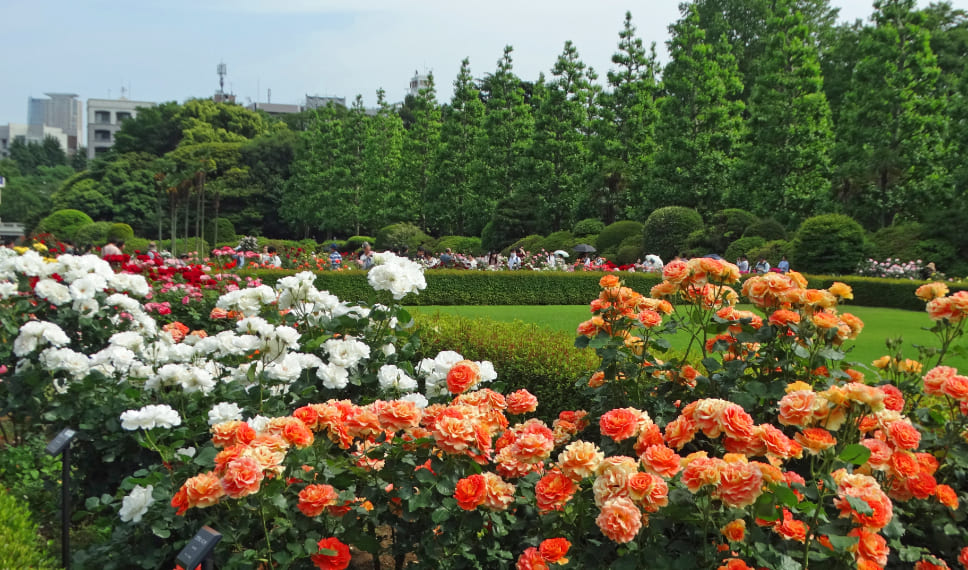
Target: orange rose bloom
500	494
297	434
399	415
963	557
783	317
620	520
815	440
931	291
946	496
943	308
580	460
735	531
521	402
936	377
649	318
797	408
904	435
610	280
648	490
870	546
314	499
737	423
227	434
841	290
308	416
337	561
552	491
924	564
470	492
620	423
702	471
463	376
203	490
242	477
680	431
661	460
554	550
531	559
740	484
790	528
735	564
956	386
675	271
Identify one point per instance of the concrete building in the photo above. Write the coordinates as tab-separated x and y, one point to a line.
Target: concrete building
104	118
319	101
274	108
28	134
60	110
418	82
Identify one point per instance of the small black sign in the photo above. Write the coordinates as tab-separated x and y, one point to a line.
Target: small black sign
59	443
199	547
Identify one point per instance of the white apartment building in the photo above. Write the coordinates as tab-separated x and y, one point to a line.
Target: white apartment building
104	118
27	134
61	110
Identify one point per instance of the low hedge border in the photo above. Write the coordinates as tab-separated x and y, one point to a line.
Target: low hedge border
458	287
20	546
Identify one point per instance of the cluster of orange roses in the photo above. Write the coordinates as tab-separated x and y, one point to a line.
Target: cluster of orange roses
940	305
550	551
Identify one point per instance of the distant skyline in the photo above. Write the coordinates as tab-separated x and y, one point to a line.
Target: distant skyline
169	51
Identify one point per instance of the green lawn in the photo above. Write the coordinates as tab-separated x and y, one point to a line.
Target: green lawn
878	325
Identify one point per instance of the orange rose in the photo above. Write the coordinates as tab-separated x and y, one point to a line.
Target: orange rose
620	423
470	492
815	440
680	431
227	434
740	484
203	490
956	386
649	318
580	460
242	477
648	490
500	494
783	318
661	461
399	415
664	289
825	321
702	471
553	491
904	435
797	408
314	499
936	378
620	520
736	422
337	561
675	271
463	376
531	559
880	453
943	308
610	280
735	531
521	402
296	433
931	291
734	564
870	546
947	496
790	528
841	290
554	550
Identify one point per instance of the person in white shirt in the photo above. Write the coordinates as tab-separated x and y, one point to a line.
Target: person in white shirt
514	262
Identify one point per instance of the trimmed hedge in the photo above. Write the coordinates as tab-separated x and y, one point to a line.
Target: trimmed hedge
461	287
544	362
20	546
63	223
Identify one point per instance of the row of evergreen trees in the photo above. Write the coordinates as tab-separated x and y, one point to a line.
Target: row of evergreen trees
764	105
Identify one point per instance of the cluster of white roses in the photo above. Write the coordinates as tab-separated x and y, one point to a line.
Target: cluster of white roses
395	274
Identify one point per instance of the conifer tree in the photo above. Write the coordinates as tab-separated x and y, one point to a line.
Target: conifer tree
381	160
420	148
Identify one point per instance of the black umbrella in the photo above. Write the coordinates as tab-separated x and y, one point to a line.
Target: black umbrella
584	248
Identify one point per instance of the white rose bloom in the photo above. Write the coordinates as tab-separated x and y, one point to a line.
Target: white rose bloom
393	378
254	325
52	291
8	289
418	399
206	346
123	303
150	417
246	343
117	356
136	504
188	452
33	333
129	282
198	380
180	352
334	377
308	360
31	264
436	387
74	363
224	412
259	423
398	275
88	286
346	352
285	370
173	374
87	307
130	340
487	371
388	349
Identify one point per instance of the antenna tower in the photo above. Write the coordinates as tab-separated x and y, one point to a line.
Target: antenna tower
222	72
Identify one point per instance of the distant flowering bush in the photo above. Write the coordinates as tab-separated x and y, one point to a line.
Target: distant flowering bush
299	425
893	268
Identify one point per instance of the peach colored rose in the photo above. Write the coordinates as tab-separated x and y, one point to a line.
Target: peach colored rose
399	415
521	402
314	499
610	280
554	550
242	477
463	376
735	530
470	492
956	386
649	318
815	440
620	423
531	559
903	434
797	408
661	461
823	320
307	415
454	434
931	291
649	490
702	471
870	546
620	520
740	484
936	377
227	434
736	422
880	453
297	434
553	491
580	459
943	308
680	431
500	493
777	443
841	290
790	528
203	490
783	318
675	271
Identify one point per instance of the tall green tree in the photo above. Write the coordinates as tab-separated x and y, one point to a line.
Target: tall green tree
382	153
559	151
509	126
786	173
891	132
623	140
420	146
700	127
456	205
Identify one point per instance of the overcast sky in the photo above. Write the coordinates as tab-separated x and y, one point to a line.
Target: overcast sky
163	51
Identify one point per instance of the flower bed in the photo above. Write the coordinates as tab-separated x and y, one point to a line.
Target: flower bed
298	425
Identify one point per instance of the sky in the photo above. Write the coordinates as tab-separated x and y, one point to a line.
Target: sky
168	51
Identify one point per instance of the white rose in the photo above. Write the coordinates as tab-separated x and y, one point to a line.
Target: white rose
136	504
224	412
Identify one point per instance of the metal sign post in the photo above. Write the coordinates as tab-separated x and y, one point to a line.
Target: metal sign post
61	445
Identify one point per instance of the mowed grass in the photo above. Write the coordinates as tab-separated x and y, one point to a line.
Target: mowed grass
879	324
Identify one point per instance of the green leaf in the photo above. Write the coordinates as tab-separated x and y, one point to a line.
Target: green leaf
440	515
785	496
205	457
860	505
855	453
160	531
91	503
842	543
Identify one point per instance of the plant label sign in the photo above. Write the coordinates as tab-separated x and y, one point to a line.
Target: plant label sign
199	547
60	442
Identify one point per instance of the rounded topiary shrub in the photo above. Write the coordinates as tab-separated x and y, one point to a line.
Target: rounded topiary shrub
773	251
666	230
588	227
767	228
459	244
559	240
743	246
397	236
226	231
63	223
614	234
356	242
92	234
531	244
828	244
120	231
628	254
726	226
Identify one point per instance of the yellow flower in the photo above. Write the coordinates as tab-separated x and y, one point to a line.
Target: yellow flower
20	249
909	365
40	247
882	362
841	290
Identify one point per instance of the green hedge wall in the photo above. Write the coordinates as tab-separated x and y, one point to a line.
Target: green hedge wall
457	287
20	546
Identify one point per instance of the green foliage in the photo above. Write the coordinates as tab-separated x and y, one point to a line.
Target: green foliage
588	227
459	244
356	242
542	361
515	217
530	243
726	226
559	240
31	157
666	230
396	236
766	228
616	233
226	231
743	246
629	253
92	234
63	223
831	243
19	544
120	231
772	251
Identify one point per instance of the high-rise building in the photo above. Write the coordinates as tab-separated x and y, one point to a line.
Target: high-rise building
60	110
418	82
104	118
27	134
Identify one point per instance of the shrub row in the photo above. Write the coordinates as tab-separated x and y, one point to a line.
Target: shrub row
544	362
20	546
